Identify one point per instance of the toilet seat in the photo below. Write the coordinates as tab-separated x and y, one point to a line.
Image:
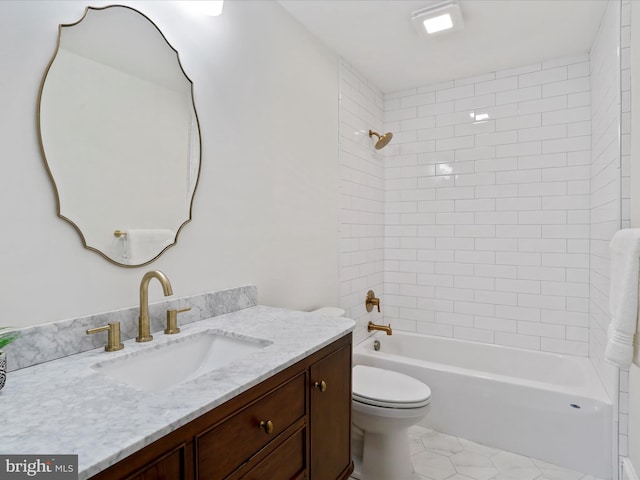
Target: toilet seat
378	387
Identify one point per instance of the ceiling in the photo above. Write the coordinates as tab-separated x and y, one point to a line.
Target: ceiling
378	39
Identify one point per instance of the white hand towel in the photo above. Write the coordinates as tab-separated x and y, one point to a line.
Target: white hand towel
144	244
623	296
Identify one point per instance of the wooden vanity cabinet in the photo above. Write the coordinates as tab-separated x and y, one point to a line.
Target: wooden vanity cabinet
305	432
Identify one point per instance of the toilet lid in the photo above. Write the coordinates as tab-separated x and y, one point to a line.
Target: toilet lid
385	388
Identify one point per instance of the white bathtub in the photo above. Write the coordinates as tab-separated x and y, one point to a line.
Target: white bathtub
523	401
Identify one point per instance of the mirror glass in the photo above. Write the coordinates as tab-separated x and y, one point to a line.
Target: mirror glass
119	134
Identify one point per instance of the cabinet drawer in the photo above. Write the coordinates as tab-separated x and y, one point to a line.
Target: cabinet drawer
231	443
168	467
284	463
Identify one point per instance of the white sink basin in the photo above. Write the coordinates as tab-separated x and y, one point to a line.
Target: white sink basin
164	366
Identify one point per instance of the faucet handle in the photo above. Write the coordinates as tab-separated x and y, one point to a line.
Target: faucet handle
172	320
113	339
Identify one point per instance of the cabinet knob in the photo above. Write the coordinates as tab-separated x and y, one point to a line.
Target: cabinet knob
322	386
267	426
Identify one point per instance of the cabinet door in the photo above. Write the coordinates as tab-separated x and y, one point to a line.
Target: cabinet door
330	419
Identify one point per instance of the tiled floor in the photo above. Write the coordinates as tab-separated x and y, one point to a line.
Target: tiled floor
437	456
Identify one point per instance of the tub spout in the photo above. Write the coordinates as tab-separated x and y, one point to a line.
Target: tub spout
384	328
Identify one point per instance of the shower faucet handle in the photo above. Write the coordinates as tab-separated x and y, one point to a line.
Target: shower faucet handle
371	300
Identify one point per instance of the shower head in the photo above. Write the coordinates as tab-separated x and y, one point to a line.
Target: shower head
382	139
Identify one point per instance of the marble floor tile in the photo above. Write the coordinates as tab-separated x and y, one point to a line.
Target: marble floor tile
447	445
478	447
437	456
512	466
474	465
418	431
416	445
554	472
433	465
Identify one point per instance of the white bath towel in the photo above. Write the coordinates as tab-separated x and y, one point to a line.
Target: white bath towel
623	296
144	244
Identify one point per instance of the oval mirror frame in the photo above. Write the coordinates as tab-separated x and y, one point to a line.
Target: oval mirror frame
150	239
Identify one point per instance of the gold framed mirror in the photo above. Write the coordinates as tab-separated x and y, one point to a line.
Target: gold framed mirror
119	135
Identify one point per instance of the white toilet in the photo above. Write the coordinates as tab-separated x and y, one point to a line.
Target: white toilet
385	404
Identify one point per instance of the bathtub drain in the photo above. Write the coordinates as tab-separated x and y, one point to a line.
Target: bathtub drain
574	405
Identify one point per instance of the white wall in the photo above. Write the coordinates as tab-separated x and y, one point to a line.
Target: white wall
362	198
266	210
487	218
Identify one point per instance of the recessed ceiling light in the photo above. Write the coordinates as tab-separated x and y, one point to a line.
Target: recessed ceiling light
438	18
439	23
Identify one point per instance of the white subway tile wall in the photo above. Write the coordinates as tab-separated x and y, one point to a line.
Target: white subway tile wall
362	197
625	134
490	217
605	183
487	209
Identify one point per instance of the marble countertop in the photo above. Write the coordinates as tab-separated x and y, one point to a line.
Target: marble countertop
66	407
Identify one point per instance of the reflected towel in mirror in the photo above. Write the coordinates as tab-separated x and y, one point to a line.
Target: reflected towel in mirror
144	244
623	296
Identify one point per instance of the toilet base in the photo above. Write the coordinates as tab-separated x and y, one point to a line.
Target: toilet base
357	468
386	456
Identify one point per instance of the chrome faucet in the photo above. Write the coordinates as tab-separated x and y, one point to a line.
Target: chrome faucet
144	330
